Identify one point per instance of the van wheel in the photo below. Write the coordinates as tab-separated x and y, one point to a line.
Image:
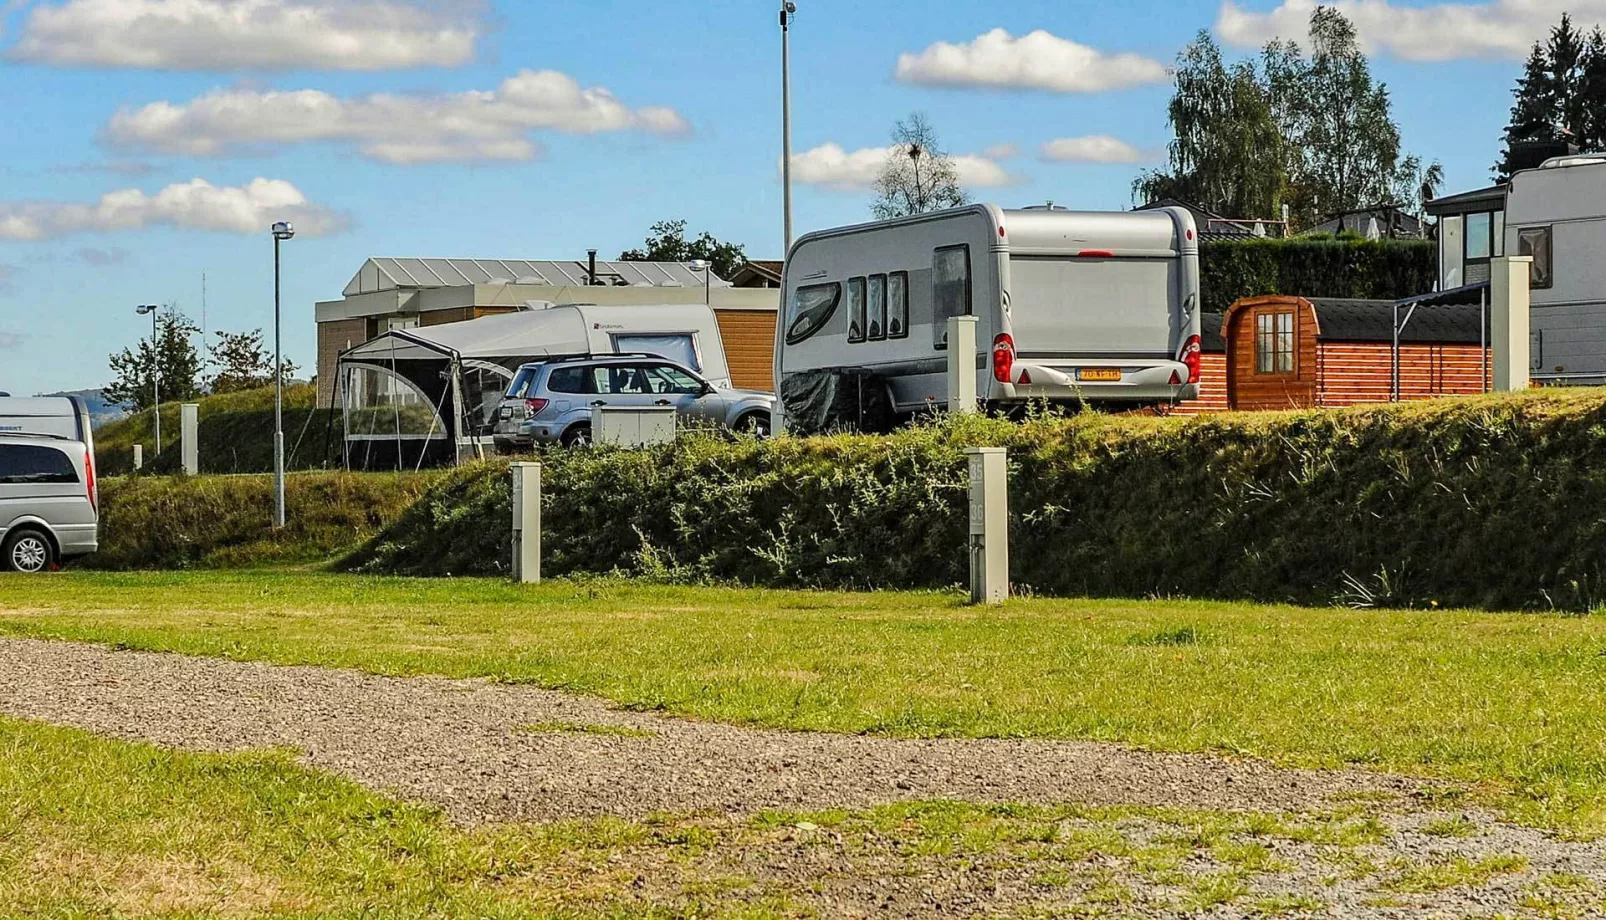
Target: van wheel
28	551
756	424
578	436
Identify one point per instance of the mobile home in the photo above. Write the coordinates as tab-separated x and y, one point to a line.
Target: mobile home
1072	307
1557	215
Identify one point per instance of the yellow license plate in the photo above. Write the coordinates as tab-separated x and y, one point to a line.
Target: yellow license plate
1098	373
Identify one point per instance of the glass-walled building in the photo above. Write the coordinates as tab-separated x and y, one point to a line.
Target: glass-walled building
1472	230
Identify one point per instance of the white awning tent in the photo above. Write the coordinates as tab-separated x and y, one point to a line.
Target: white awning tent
460	369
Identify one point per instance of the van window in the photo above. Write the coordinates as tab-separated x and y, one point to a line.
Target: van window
950	289
810	309
878	307
1535	241
856	317
26	463
898	305
521	382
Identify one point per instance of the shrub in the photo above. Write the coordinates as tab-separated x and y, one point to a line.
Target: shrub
235	435
1488	501
1307	267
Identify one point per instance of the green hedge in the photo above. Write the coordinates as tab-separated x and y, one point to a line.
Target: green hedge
224	521
1377	269
236	435
1489	501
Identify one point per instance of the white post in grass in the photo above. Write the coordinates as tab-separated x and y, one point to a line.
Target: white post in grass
989	524
961	364
189	426
139	456
1508	314
526	523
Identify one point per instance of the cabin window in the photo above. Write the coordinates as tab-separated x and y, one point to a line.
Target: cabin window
810	309
878	307
1274	342
1451	254
1535	241
856	317
1479	243
25	463
898	305
1499	223
950	289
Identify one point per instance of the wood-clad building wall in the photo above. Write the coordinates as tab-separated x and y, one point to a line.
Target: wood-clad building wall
749	337
1281	352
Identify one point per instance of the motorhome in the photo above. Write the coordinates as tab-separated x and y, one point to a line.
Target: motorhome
1072	307
1557	214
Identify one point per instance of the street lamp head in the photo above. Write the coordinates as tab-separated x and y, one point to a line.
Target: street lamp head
283	230
789	6
145	308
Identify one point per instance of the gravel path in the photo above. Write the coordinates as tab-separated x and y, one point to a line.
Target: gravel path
464	745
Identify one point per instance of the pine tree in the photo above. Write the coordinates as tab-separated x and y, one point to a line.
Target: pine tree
1566	52
1592	94
1538	108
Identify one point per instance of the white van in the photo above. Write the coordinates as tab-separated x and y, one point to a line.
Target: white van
58	416
49	500
1073	306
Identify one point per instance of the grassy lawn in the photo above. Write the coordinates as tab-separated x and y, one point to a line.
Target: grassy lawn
91	827
1513	703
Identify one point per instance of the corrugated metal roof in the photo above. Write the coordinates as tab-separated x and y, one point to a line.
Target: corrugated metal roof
386	274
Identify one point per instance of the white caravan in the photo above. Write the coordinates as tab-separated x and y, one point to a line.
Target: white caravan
1072	306
1557	214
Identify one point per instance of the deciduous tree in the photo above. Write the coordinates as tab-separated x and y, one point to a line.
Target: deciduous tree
241	362
667	243
919	176
172	359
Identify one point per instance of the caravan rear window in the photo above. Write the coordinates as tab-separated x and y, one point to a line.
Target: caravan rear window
810	309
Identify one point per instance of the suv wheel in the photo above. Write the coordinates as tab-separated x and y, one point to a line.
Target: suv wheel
28	551
756	424
577	436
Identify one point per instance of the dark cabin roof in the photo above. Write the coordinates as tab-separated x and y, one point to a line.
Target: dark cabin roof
1492	198
758	273
1453	317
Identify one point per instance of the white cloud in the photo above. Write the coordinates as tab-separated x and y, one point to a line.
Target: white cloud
1040	60
474	125
250	34
1094	148
1001	152
831	167
193	205
1435	32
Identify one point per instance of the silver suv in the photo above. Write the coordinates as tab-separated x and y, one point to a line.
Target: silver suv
48	502
551	402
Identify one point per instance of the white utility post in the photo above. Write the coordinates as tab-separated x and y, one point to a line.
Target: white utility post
139	456
189	426
526	523
961	364
1508	327
989	523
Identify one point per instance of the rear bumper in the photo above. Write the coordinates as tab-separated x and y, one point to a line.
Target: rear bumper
77	539
1064	381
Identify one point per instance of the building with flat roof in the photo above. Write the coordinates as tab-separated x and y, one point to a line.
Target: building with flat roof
387	294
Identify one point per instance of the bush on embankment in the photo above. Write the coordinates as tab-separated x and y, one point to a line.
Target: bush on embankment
224	521
1489	501
235	435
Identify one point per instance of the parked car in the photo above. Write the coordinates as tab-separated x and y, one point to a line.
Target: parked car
551	402
49	504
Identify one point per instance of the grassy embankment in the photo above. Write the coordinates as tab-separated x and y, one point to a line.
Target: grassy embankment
236	435
1513	705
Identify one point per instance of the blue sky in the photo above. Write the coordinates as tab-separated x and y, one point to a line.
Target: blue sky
688	127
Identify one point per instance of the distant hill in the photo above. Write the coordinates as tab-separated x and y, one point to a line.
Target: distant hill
100	411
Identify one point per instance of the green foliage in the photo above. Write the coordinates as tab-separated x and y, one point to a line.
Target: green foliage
1315	267
668	243
170	364
1472	501
211	521
236	435
1561	93
241	362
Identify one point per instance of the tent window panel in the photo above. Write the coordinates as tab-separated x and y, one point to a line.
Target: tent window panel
678	347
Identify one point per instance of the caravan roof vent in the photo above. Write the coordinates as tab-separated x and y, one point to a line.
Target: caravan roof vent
1585	159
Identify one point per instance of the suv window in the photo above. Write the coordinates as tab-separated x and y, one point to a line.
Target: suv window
27	463
570	380
521	381
667	379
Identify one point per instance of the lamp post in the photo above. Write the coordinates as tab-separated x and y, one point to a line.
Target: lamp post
707	268
281	231
156	371
788	9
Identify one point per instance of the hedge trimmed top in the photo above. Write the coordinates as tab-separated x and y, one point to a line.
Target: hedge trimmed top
1360	269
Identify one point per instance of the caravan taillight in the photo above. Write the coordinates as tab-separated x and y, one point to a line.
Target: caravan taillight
1190	357
89	480
1003	357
